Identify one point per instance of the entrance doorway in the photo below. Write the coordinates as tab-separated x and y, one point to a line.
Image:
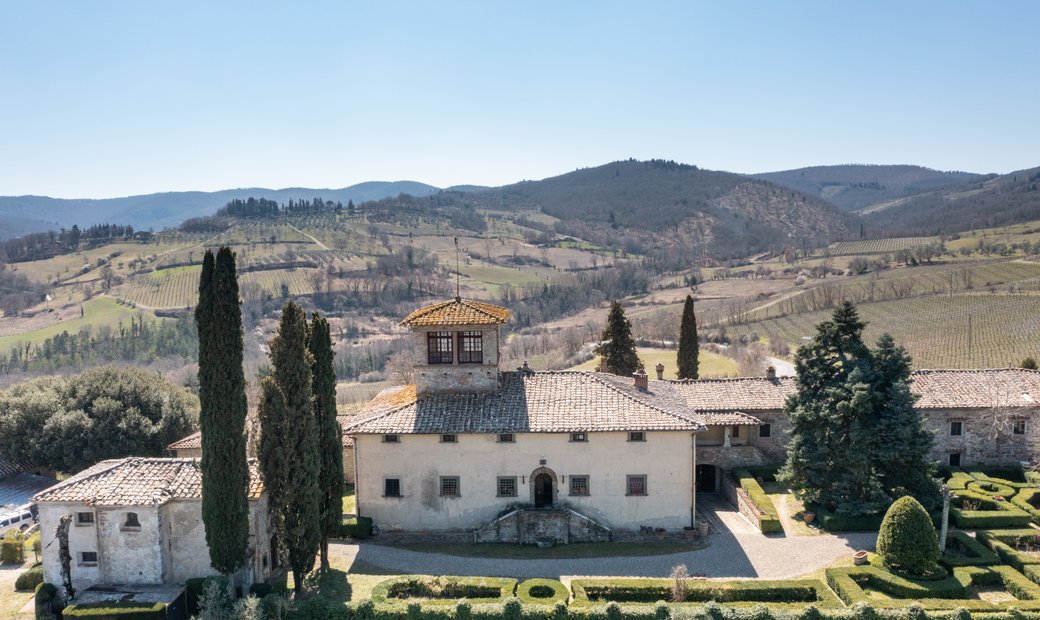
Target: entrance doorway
706	479
543	490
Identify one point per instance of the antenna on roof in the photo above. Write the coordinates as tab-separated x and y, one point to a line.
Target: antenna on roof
458	274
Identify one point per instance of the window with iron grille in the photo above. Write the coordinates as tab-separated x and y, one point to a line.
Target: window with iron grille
471	348
391	439
637	436
579	437
439	347
506	486
636	485
955	459
87	558
84	518
506	438
452	438
449	486
765	430
579	485
1019	427
392	487
955	429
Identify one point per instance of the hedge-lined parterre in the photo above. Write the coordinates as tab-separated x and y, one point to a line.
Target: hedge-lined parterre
768	518
782	593
542	592
117	611
963	550
443	590
852	584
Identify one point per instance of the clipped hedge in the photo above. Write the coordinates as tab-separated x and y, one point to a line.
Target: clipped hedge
542	592
1024	501
29	579
768	518
355	527
1004	543
837	523
777	593
970	552
12	548
442	590
44	601
120	611
948	593
1005	515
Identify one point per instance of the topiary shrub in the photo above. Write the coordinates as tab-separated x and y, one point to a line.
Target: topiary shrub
907	541
29	579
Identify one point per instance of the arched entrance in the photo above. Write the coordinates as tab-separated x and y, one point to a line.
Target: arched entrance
543	487
706	475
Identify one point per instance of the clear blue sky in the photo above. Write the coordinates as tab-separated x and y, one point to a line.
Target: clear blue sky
105	99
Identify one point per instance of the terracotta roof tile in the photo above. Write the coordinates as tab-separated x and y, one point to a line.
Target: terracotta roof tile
458	311
728	418
137	481
191	442
544	402
969	389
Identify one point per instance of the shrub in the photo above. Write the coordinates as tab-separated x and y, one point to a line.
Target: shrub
782	593
44	601
948	593
29	579
513	610
443	590
542	591
837	523
1005	542
768	518
12	549
120	611
355	527
907	539
963	550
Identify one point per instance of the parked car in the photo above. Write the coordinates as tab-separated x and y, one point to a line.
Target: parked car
20	518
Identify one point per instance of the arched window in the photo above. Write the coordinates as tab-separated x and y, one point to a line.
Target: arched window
131	520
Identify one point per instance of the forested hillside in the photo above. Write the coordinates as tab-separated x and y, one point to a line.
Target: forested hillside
856	186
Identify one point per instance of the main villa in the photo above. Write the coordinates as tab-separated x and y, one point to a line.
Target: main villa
513	455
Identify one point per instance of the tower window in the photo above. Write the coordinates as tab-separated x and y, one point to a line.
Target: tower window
439	348
471	348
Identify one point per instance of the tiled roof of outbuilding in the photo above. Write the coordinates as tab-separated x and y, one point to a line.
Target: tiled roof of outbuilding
458	311
191	442
527	402
969	389
137	481
741	394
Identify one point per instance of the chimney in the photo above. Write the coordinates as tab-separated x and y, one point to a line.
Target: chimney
525	369
602	365
641	381
770	372
660	372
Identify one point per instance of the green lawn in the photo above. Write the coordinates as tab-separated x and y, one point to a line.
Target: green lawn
349	500
560	552
97	312
711	364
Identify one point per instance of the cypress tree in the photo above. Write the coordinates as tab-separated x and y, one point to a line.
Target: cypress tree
222	400
688	356
330	435
617	346
289	459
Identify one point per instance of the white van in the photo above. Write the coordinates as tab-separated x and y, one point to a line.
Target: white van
20	518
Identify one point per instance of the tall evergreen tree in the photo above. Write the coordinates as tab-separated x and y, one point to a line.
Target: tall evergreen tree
222	400
617	346
854	431
689	353
289	449
330	435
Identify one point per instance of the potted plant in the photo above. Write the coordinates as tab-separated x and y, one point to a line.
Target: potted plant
808	517
702	529
859	558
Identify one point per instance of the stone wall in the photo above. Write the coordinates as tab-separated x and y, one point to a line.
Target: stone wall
529	526
457	377
979	442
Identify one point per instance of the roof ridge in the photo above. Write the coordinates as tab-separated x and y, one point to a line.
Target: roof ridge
641	401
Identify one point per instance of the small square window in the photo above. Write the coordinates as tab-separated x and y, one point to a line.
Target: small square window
579	485
579	437
636	485
450	438
506	486
449	486
637	436
506	438
736	432
87	558
765	431
392	487
391	439
1019	427
84	518
132	521
955	459
956	429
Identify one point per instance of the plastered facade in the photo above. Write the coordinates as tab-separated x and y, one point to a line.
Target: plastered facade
168	547
666	458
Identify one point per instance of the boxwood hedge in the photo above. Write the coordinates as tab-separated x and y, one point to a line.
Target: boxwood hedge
542	592
963	550
442	590
948	593
768	518
1005	542
114	611
837	523
778	593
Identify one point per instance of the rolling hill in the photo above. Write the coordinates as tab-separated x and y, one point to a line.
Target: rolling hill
854	186
24	214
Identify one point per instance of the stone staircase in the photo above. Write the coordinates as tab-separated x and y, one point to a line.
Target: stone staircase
541	526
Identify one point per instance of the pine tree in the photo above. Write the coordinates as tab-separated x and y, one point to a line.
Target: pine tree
330	435
688	346
222	399
289	450
856	441
617	346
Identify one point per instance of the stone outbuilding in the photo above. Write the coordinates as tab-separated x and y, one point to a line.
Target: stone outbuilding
139	521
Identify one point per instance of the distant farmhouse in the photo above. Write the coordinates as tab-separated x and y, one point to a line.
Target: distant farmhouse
139	521
571	456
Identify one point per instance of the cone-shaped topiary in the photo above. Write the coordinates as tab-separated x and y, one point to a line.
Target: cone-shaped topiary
907	540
